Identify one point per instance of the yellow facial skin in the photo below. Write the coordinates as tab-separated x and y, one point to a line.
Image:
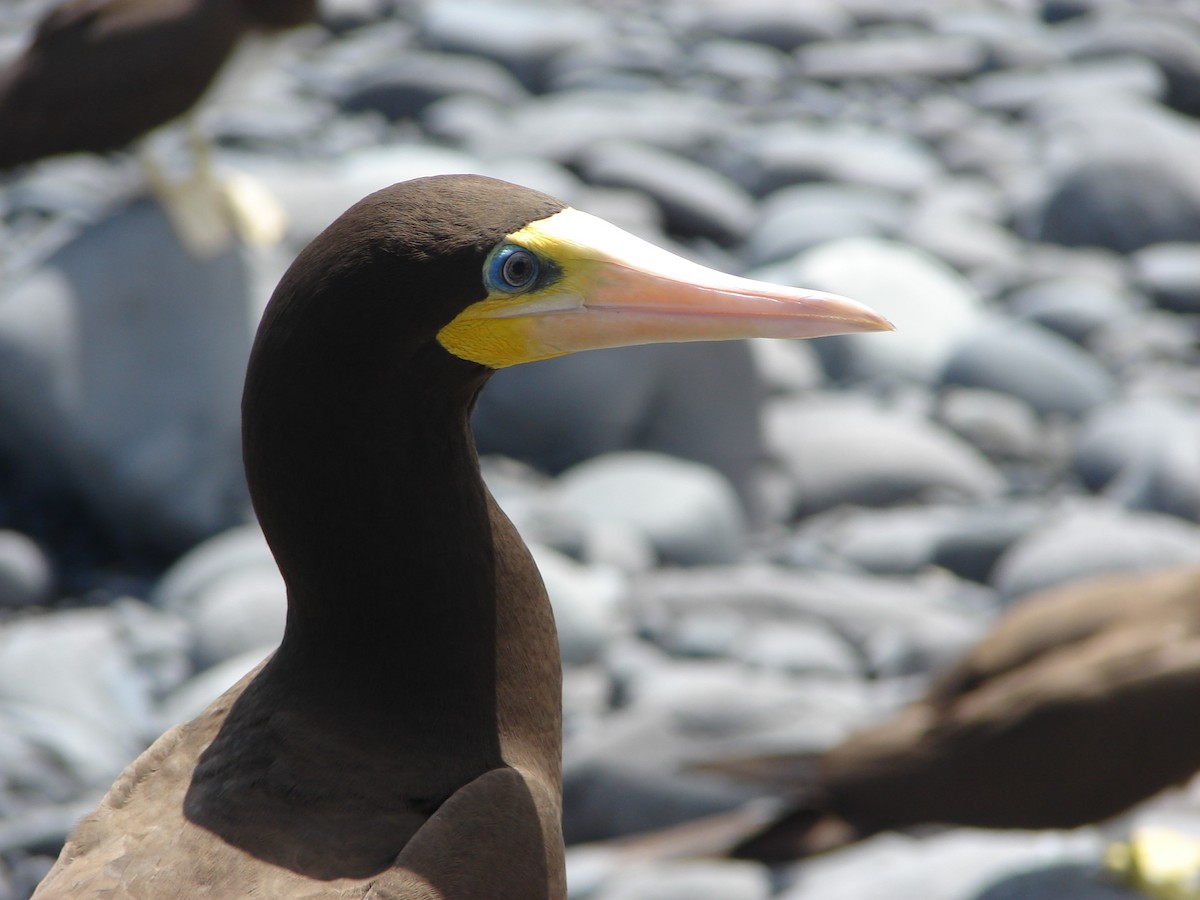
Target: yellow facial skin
607	288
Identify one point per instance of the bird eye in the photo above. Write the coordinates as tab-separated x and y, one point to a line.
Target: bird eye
514	269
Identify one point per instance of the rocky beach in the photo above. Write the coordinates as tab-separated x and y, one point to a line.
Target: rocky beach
750	548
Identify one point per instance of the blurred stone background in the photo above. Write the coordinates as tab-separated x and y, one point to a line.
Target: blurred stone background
749	547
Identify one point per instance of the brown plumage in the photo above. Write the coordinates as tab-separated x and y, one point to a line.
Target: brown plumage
1079	704
101	73
404	741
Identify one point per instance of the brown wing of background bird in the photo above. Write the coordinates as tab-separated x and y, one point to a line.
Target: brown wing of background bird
101	73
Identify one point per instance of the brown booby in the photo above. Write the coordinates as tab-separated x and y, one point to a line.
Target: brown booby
404	741
1079	704
100	74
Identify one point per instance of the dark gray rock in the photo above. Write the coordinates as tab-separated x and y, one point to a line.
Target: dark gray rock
797	218
851	454
1122	200
26	575
1074	307
697	401
1170	273
1091	540
1048	372
155	455
602	801
406	85
695	201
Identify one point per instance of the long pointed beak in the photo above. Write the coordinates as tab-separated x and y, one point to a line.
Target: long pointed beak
617	290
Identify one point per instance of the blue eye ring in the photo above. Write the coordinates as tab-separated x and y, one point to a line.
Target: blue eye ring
513	269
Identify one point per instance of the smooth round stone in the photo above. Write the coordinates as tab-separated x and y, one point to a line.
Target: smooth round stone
695	200
232	552
909	56
746	66
1143	452
402	87
800	217
86	753
787	366
121	363
696	401
191	698
689	880
240	612
1046	371
799	648
1014	90
951	865
26	575
1170	273
932	306
1092	540
1073	307
925	619
854	454
960	223
688	511
782	154
1123	201
999	425
524	37
78	663
965	540
585	600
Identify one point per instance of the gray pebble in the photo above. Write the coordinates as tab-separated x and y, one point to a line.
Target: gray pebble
1048	372
840	453
1002	426
1143	453
26	575
932	306
523	36
781	154
242	611
402	87
1074	307
688	512
1170	273
695	201
797	218
585	600
952	865
689	880
922	56
1094	539
776	23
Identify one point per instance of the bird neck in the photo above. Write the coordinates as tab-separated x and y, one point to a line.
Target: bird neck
368	490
